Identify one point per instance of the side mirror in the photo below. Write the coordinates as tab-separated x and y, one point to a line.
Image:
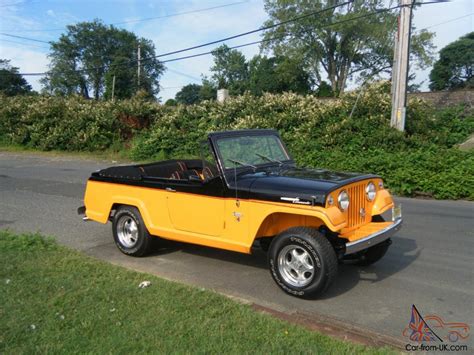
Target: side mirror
194	178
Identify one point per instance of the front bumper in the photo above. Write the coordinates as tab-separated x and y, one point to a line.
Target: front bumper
375	238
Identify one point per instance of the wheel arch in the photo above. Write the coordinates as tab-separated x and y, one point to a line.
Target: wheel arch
277	222
139	205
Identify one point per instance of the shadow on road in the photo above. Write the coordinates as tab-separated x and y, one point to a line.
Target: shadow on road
400	255
258	259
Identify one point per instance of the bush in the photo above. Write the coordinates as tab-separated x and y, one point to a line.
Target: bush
322	133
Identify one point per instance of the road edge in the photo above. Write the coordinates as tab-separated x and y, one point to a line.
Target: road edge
334	328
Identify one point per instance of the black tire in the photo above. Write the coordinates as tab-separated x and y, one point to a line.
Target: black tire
317	251
141	242
375	253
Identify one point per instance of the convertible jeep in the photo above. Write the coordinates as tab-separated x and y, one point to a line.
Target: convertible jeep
244	192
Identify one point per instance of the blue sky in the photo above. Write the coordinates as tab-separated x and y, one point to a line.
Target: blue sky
44	19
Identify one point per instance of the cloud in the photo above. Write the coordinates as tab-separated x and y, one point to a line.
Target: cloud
51	13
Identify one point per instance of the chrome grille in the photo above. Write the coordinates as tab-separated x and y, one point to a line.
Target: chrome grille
357	202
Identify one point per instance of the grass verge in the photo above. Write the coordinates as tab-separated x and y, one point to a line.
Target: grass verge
55	300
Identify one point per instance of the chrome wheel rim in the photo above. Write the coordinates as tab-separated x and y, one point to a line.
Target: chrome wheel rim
295	265
127	231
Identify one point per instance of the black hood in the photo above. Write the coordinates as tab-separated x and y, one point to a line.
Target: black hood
310	186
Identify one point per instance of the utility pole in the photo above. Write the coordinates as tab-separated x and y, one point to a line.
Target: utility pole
139	67
400	66
113	87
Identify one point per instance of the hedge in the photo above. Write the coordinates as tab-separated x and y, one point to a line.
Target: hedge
421	161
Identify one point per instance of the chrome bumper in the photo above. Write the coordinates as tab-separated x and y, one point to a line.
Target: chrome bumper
373	239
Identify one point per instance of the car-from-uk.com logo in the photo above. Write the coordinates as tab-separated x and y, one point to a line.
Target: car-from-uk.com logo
432	333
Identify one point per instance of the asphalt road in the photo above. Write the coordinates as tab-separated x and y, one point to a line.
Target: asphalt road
430	263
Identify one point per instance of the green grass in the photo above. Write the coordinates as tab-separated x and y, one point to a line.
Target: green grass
55	300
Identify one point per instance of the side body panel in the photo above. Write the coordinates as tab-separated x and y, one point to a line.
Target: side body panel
210	220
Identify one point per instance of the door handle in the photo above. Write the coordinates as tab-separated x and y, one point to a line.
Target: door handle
170	189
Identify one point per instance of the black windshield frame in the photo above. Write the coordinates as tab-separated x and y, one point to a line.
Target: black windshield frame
214	137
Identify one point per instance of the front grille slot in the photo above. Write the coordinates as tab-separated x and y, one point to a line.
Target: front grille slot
357	202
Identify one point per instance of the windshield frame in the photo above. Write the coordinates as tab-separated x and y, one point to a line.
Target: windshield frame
215	137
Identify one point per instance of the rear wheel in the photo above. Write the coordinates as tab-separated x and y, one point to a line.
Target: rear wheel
129	231
375	253
302	262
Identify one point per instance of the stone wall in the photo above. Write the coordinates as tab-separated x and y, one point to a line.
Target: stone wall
446	98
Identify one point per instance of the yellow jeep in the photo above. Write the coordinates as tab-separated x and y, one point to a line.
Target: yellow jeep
246	191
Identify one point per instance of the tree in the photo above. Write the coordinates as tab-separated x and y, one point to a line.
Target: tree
208	90
361	47
324	90
455	66
171	102
90	54
194	93
230	70
189	94
276	75
11	82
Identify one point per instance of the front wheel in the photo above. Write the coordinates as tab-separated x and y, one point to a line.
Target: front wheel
130	233
302	262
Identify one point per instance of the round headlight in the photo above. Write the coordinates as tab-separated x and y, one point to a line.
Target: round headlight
370	191
343	200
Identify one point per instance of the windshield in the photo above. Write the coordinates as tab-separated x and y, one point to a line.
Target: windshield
251	150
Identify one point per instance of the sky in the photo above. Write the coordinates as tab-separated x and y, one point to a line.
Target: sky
45	20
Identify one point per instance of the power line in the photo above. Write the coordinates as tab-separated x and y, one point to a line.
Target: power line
254	31
243	34
216	41
21	37
25	44
448	21
286	34
183	74
181	13
148	18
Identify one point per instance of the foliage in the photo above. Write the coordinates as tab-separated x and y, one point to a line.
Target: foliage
259	75
455	66
55	300
189	94
73	123
276	75
171	102
208	90
90	54
319	133
360	47
324	90
230	70
11	82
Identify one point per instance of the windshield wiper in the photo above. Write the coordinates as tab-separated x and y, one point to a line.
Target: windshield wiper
242	164
269	159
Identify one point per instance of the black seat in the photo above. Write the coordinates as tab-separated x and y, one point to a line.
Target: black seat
209	171
164	170
184	175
